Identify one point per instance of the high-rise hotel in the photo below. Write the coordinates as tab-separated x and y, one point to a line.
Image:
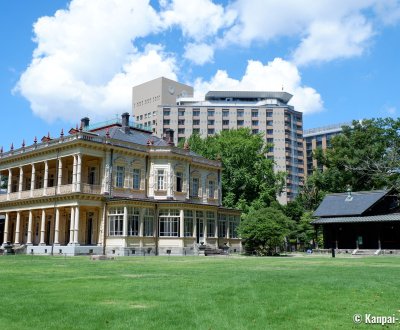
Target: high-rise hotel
165	104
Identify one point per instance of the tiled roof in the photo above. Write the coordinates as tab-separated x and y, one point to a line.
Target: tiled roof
335	205
372	218
134	136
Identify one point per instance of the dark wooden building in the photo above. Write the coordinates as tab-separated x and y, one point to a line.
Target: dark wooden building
360	220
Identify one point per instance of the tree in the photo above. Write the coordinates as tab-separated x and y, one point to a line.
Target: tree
264	231
305	230
365	156
248	177
3	183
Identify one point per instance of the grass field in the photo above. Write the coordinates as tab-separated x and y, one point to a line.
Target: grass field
196	292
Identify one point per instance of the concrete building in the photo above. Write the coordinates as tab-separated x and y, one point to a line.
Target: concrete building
265	112
318	138
113	188
148	96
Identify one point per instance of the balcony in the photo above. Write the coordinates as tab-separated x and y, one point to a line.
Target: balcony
51	191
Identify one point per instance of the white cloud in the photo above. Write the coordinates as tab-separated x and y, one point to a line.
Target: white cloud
198	19
270	77
388	11
327	41
199	53
318	23
85	62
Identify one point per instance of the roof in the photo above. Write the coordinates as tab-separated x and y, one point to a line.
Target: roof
372	218
335	205
134	136
218	95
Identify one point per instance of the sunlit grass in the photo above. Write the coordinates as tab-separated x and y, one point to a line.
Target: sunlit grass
195	292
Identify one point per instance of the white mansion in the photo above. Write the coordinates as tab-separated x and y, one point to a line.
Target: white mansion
113	188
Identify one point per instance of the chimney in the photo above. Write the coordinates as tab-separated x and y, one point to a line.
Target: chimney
170	136
84	122
125	122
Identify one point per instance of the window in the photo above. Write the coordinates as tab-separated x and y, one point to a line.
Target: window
269	114
254	122
210	113
196	113
179	181
196	122
211	188
270	140
136	178
148	222
240	122
181	121
210	224
233	225
269	123
161	184
255	131
225	113
120	177
210	122
115	221
181	131
240	113
270	131
188	223
167	112
169	223
222	225
166	121
254	113
181	112
194	187
211	131
196	130
133	221
225	122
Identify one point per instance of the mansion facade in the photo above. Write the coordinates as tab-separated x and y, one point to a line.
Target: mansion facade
116	189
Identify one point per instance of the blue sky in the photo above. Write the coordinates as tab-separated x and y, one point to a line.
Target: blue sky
62	60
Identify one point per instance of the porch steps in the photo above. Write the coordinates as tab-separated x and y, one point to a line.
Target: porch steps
365	252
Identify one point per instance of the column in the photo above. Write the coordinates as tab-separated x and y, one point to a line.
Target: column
29	238
43	228
125	225
33	178
5	237
194	225
17	228
76	231
141	222
57	227
181	223
216	227
101	222
60	172
20	181
72	226
74	174
78	173
205	221
46	177
227	227
9	183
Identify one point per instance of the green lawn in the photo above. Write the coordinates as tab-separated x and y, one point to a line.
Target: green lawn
196	292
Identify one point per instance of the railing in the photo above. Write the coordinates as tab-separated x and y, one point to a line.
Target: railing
91	189
50	191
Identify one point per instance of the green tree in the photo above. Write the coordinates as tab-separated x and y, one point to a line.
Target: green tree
306	231
248	177
3	183
264	231
365	156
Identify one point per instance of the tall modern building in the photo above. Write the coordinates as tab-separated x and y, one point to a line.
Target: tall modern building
148	96
265	112
318	138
